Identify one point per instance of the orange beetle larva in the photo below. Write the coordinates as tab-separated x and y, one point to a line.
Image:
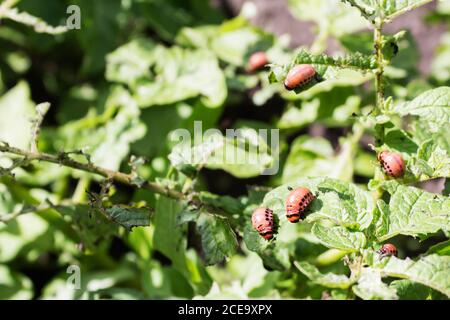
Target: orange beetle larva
262	221
299	75
296	203
392	163
257	61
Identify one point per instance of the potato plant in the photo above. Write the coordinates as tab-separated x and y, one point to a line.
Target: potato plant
99	200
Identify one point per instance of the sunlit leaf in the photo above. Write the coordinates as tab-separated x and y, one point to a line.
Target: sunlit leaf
329	280
412	211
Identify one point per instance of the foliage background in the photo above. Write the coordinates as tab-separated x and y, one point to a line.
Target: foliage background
139	69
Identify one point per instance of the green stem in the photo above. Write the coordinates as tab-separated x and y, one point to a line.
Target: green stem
379	85
79	196
6	5
120	177
64	160
379	92
330	257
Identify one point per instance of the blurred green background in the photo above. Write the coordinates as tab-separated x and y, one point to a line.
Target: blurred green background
139	69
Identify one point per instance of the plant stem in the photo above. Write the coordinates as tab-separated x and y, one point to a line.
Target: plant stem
379	91
64	160
79	195
6	5
120	177
330	257
379	85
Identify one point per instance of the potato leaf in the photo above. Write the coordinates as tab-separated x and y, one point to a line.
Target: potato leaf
371	287
431	271
218	239
432	106
411	211
339	238
329	280
339	202
129	217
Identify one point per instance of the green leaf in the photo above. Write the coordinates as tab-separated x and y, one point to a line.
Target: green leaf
22	234
167	17
430	162
314	157
333	106
17	110
118	134
385	10
14	286
413	212
332	16
131	62
409	290
274	254
100	25
339	202
344	204
339	238
197	37
442	249
440	65
433	106
174	246
162	282
236	46
245	155
129	217
106	137
183	74
218	239
395	8
371	287
431	271
178	74
329	280
165	222
424	131
187	215
228	204
399	140
164	17
91	282
140	240
307	157
90	225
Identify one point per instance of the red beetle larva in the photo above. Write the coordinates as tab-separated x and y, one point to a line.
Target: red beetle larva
299	75
392	163
296	203
262	221
257	61
388	250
